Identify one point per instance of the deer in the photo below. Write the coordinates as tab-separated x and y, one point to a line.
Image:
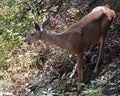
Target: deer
83	34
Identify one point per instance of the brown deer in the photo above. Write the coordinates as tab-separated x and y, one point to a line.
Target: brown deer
79	36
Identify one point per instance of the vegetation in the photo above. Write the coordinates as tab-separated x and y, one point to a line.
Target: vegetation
44	70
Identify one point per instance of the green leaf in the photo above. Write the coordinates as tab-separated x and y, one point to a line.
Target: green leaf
11	3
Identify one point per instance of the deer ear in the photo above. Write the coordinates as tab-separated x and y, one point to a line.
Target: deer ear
37	27
46	23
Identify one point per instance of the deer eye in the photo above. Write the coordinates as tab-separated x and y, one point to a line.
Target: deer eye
32	34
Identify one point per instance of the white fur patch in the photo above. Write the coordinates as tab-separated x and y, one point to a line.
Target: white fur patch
41	29
99	8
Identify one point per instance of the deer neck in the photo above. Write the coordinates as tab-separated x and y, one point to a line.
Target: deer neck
55	38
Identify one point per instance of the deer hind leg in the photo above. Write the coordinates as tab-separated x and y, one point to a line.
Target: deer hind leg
100	53
79	69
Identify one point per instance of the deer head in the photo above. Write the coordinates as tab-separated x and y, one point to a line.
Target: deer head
34	35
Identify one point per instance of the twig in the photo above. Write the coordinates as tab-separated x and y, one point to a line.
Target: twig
74	70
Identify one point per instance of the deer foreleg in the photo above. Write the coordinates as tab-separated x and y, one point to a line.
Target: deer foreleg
79	69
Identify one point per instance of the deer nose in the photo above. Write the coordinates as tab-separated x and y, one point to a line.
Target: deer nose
25	40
